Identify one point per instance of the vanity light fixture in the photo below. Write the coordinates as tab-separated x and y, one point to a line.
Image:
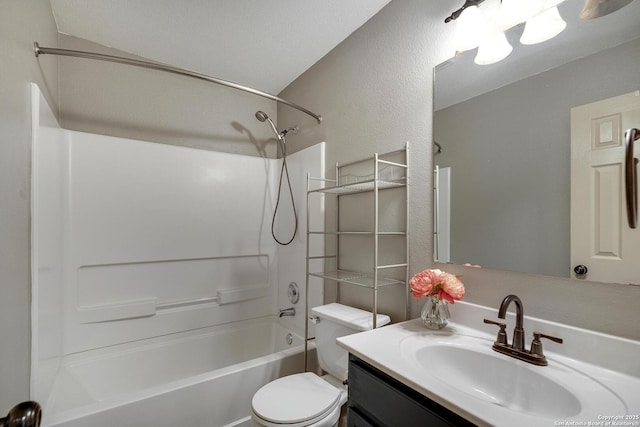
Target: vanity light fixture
484	27
456	14
513	12
472	27
543	27
493	49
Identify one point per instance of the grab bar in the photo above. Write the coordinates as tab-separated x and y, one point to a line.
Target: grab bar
631	176
148	307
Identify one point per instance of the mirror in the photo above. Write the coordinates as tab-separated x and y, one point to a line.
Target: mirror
503	134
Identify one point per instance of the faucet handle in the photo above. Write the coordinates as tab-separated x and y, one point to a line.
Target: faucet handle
502	334
536	344
538	335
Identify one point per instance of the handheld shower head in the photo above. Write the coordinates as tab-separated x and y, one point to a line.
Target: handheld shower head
262	116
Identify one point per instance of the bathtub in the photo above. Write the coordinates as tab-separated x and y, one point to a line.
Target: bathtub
205	377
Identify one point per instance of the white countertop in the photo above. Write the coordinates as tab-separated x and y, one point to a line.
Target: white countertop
612	363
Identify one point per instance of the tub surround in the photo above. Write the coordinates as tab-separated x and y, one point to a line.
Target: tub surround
585	355
129	251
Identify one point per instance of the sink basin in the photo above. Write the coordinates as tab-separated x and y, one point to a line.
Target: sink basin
499	381
464	364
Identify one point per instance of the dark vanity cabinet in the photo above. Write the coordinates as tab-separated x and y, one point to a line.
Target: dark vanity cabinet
377	400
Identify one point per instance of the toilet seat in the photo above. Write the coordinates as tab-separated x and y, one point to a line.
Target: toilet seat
296	400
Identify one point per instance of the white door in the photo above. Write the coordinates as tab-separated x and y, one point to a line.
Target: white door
601	238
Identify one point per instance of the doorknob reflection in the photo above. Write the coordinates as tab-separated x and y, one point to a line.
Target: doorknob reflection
25	414
580	270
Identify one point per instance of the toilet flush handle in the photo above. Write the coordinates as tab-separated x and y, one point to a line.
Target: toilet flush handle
314	319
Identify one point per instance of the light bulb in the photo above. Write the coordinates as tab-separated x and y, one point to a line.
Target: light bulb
471	28
543	27
513	12
495	48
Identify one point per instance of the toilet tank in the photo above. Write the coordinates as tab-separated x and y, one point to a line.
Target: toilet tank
334	321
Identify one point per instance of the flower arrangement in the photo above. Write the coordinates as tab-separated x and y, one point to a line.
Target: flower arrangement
434	282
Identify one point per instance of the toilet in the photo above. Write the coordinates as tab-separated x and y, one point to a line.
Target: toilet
306	399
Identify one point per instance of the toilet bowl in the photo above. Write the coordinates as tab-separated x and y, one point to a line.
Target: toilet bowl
306	399
298	400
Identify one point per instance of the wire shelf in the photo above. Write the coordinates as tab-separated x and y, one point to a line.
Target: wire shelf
361	187
355	278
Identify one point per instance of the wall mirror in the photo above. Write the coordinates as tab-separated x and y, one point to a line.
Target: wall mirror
503	145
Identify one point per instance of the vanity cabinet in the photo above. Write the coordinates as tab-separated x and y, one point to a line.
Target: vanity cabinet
377	400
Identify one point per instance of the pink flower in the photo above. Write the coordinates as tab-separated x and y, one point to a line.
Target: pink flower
451	288
446	286
423	283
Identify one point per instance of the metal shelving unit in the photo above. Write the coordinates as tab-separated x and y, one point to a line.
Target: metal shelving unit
342	186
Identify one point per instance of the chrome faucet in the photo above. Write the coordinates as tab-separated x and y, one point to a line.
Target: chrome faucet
516	349
287	312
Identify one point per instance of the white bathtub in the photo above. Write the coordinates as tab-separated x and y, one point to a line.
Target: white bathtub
200	378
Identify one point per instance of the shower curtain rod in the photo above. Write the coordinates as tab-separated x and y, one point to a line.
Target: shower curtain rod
169	69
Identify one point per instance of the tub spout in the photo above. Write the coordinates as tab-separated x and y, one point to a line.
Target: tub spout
287	312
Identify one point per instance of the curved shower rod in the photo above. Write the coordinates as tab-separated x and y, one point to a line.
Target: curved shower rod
169	69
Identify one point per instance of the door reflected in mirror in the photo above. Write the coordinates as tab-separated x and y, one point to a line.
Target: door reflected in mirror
504	193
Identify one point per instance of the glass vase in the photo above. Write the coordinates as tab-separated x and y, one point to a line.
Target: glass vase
435	313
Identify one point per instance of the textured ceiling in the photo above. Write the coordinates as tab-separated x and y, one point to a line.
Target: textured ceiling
258	43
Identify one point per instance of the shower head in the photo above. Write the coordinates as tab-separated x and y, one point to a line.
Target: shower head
262	116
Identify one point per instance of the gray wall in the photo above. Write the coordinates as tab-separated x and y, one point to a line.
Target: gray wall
21	23
131	102
503	163
375	91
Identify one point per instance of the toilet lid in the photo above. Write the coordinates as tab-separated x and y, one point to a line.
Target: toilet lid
295	398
